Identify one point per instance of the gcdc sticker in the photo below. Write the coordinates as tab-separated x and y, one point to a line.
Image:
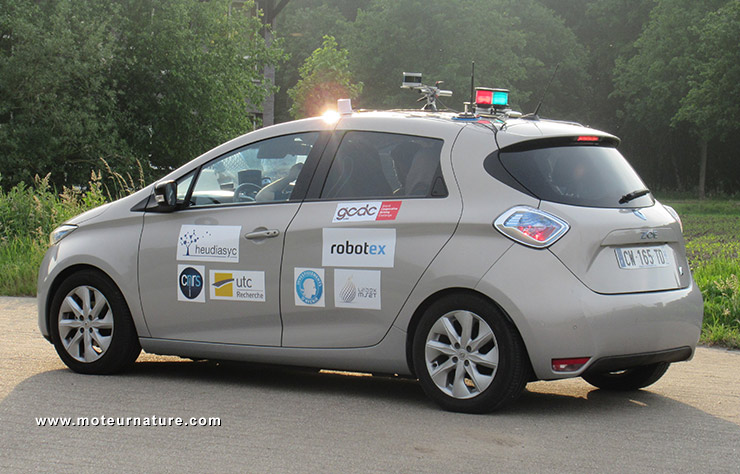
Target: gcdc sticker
357	289
309	287
236	285
209	243
366	211
190	283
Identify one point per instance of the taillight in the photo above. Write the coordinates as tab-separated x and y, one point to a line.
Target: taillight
531	227
569	365
675	215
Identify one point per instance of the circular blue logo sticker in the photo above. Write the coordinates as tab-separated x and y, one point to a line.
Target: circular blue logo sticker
309	287
191	283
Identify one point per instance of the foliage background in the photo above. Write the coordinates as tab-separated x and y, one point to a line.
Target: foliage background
661	74
128	81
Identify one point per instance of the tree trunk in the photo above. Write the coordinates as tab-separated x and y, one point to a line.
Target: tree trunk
702	168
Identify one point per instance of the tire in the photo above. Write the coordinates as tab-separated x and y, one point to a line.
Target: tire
468	356
91	325
629	379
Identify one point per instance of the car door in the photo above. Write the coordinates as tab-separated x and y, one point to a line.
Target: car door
365	234
209	272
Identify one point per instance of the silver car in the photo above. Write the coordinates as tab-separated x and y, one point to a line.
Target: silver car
473	254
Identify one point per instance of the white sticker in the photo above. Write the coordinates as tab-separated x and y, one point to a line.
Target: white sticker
357	289
190	283
366	211
209	243
309	287
236	285
358	247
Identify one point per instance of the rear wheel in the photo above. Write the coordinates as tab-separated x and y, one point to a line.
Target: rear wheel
629	379
468	356
91	326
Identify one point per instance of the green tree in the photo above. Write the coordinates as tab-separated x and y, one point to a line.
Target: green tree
515	44
654	81
711	103
158	82
58	101
187	76
325	77
302	28
607	29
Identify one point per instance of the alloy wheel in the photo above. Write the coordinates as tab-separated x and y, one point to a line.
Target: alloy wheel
461	354
85	324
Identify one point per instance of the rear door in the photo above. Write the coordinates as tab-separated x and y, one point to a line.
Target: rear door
366	233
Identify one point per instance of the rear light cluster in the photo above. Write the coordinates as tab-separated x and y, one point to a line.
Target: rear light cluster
675	215
569	365
531	227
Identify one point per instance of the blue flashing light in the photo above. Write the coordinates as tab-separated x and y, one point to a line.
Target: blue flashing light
500	98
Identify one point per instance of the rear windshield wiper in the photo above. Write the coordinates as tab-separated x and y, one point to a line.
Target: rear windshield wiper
633	195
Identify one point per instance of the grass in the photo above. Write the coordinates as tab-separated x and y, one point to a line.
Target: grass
711	230
20	258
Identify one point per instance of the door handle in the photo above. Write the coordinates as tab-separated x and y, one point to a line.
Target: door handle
262	234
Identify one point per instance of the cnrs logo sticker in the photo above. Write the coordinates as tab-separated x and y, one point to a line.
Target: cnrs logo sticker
358	247
366	211
190	283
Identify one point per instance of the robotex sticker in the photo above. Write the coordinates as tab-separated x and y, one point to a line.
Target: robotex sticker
236	285
209	243
309	287
190	283
358	247
358	289
366	211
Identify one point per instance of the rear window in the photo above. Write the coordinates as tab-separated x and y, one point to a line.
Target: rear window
590	176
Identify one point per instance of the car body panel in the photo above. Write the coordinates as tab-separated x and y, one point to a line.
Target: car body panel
386	357
588	248
559	317
519	130
476	245
108	240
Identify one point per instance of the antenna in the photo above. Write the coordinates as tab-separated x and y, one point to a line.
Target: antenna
472	82
546	89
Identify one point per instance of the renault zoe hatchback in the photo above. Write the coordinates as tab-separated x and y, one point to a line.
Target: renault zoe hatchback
473	254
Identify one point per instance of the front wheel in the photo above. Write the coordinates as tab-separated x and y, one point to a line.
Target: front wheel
91	326
468	356
629	379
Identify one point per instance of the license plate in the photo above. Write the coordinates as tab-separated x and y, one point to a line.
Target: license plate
642	257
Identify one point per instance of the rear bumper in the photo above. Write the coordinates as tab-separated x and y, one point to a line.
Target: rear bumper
558	317
616	363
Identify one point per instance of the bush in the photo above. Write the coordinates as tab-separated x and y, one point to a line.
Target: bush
28	214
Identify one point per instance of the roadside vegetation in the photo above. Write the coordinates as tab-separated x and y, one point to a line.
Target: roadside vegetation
710	228
29	213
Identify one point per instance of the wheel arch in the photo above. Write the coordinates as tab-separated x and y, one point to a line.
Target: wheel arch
462	292
66	273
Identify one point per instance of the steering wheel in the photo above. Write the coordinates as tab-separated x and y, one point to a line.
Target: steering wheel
246	192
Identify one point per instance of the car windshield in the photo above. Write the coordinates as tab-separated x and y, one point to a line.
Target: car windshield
590	176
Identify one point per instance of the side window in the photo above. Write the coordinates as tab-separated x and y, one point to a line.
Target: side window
265	171
183	185
385	165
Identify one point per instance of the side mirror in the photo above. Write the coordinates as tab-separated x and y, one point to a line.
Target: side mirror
166	196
